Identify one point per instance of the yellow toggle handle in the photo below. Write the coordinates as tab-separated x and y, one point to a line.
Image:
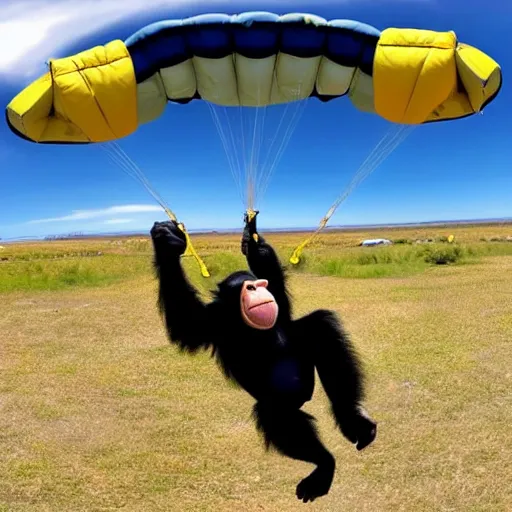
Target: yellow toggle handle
295	257
250	215
190	248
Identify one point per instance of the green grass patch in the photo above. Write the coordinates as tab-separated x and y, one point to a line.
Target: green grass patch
57	274
369	262
53	267
395	261
220	264
341	268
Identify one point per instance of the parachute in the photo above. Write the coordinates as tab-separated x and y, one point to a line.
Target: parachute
256	60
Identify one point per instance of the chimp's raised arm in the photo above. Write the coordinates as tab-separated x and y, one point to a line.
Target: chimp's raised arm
264	263
187	318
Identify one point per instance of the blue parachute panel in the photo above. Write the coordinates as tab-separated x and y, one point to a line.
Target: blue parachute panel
156	46
255	35
352	44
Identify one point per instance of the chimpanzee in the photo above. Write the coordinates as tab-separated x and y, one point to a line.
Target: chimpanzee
249	329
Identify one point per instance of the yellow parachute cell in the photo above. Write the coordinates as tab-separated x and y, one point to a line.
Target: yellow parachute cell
89	97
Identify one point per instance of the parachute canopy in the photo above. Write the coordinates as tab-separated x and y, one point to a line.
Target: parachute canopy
253	59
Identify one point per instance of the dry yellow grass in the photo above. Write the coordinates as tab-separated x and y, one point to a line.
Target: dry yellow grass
98	412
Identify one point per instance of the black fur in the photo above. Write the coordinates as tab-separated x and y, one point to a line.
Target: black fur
277	367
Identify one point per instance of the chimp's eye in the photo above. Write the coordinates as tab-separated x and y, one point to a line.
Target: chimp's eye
251	287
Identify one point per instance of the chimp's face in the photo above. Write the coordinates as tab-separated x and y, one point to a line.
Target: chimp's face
258	306
249	295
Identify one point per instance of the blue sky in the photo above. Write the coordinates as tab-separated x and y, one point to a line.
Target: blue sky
453	170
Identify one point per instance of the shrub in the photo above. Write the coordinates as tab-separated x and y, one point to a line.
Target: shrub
443	256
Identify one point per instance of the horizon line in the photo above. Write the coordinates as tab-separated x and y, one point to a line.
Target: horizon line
199	231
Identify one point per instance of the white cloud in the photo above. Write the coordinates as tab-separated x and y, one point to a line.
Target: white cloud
33	31
105	212
118	221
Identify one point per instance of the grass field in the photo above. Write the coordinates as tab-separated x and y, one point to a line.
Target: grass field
98	412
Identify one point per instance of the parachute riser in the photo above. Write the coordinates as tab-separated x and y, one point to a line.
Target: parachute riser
389	142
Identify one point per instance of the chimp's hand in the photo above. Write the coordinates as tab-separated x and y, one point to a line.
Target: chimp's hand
249	232
359	428
168	239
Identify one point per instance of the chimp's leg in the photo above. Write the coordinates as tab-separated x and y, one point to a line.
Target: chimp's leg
292	433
